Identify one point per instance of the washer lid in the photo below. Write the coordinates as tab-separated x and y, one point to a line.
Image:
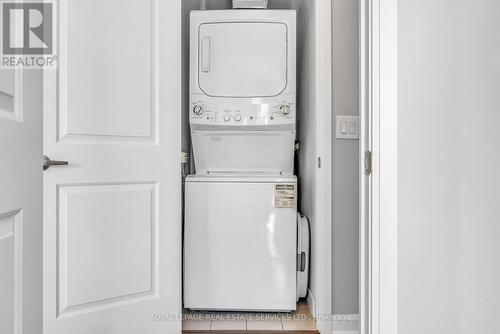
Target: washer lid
242	59
242	178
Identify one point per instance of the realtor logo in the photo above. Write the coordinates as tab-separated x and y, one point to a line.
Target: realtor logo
28	34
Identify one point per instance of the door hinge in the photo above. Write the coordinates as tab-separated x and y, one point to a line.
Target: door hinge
368	162
184	157
184	164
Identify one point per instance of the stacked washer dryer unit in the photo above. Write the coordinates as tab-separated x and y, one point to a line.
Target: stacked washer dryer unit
241	233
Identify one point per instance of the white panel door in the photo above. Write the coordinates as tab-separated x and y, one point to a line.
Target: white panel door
20	202
112	219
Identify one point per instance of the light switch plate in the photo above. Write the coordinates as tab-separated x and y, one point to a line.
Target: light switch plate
347	127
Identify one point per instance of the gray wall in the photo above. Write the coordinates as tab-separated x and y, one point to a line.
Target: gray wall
345	102
307	125
449	158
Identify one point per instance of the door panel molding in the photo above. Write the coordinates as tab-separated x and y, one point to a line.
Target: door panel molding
11	237
122	203
11	98
129	131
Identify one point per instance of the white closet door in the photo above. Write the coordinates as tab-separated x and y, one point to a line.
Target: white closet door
112	217
20	202
232	61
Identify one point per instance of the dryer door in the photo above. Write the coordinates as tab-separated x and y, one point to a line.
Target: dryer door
242	59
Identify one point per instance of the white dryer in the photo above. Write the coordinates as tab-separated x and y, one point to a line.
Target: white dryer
240	244
243	90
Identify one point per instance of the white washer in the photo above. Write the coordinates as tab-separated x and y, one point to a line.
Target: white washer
240	244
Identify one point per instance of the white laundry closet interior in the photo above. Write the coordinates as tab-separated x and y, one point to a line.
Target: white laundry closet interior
240	156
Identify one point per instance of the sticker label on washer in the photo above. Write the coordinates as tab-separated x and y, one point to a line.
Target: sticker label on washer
285	196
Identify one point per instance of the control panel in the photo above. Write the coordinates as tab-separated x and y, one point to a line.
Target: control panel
259	112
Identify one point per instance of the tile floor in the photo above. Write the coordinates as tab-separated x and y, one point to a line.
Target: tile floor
299	322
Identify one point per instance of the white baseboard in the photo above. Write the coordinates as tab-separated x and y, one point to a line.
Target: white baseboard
311	302
346	324
341	323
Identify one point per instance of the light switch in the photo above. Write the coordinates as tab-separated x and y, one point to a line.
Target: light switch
347	127
343	127
352	127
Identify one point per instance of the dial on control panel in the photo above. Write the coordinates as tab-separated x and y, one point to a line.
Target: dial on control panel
198	110
285	109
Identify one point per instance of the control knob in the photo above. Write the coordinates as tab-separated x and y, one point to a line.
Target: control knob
227	118
285	109
237	118
198	110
